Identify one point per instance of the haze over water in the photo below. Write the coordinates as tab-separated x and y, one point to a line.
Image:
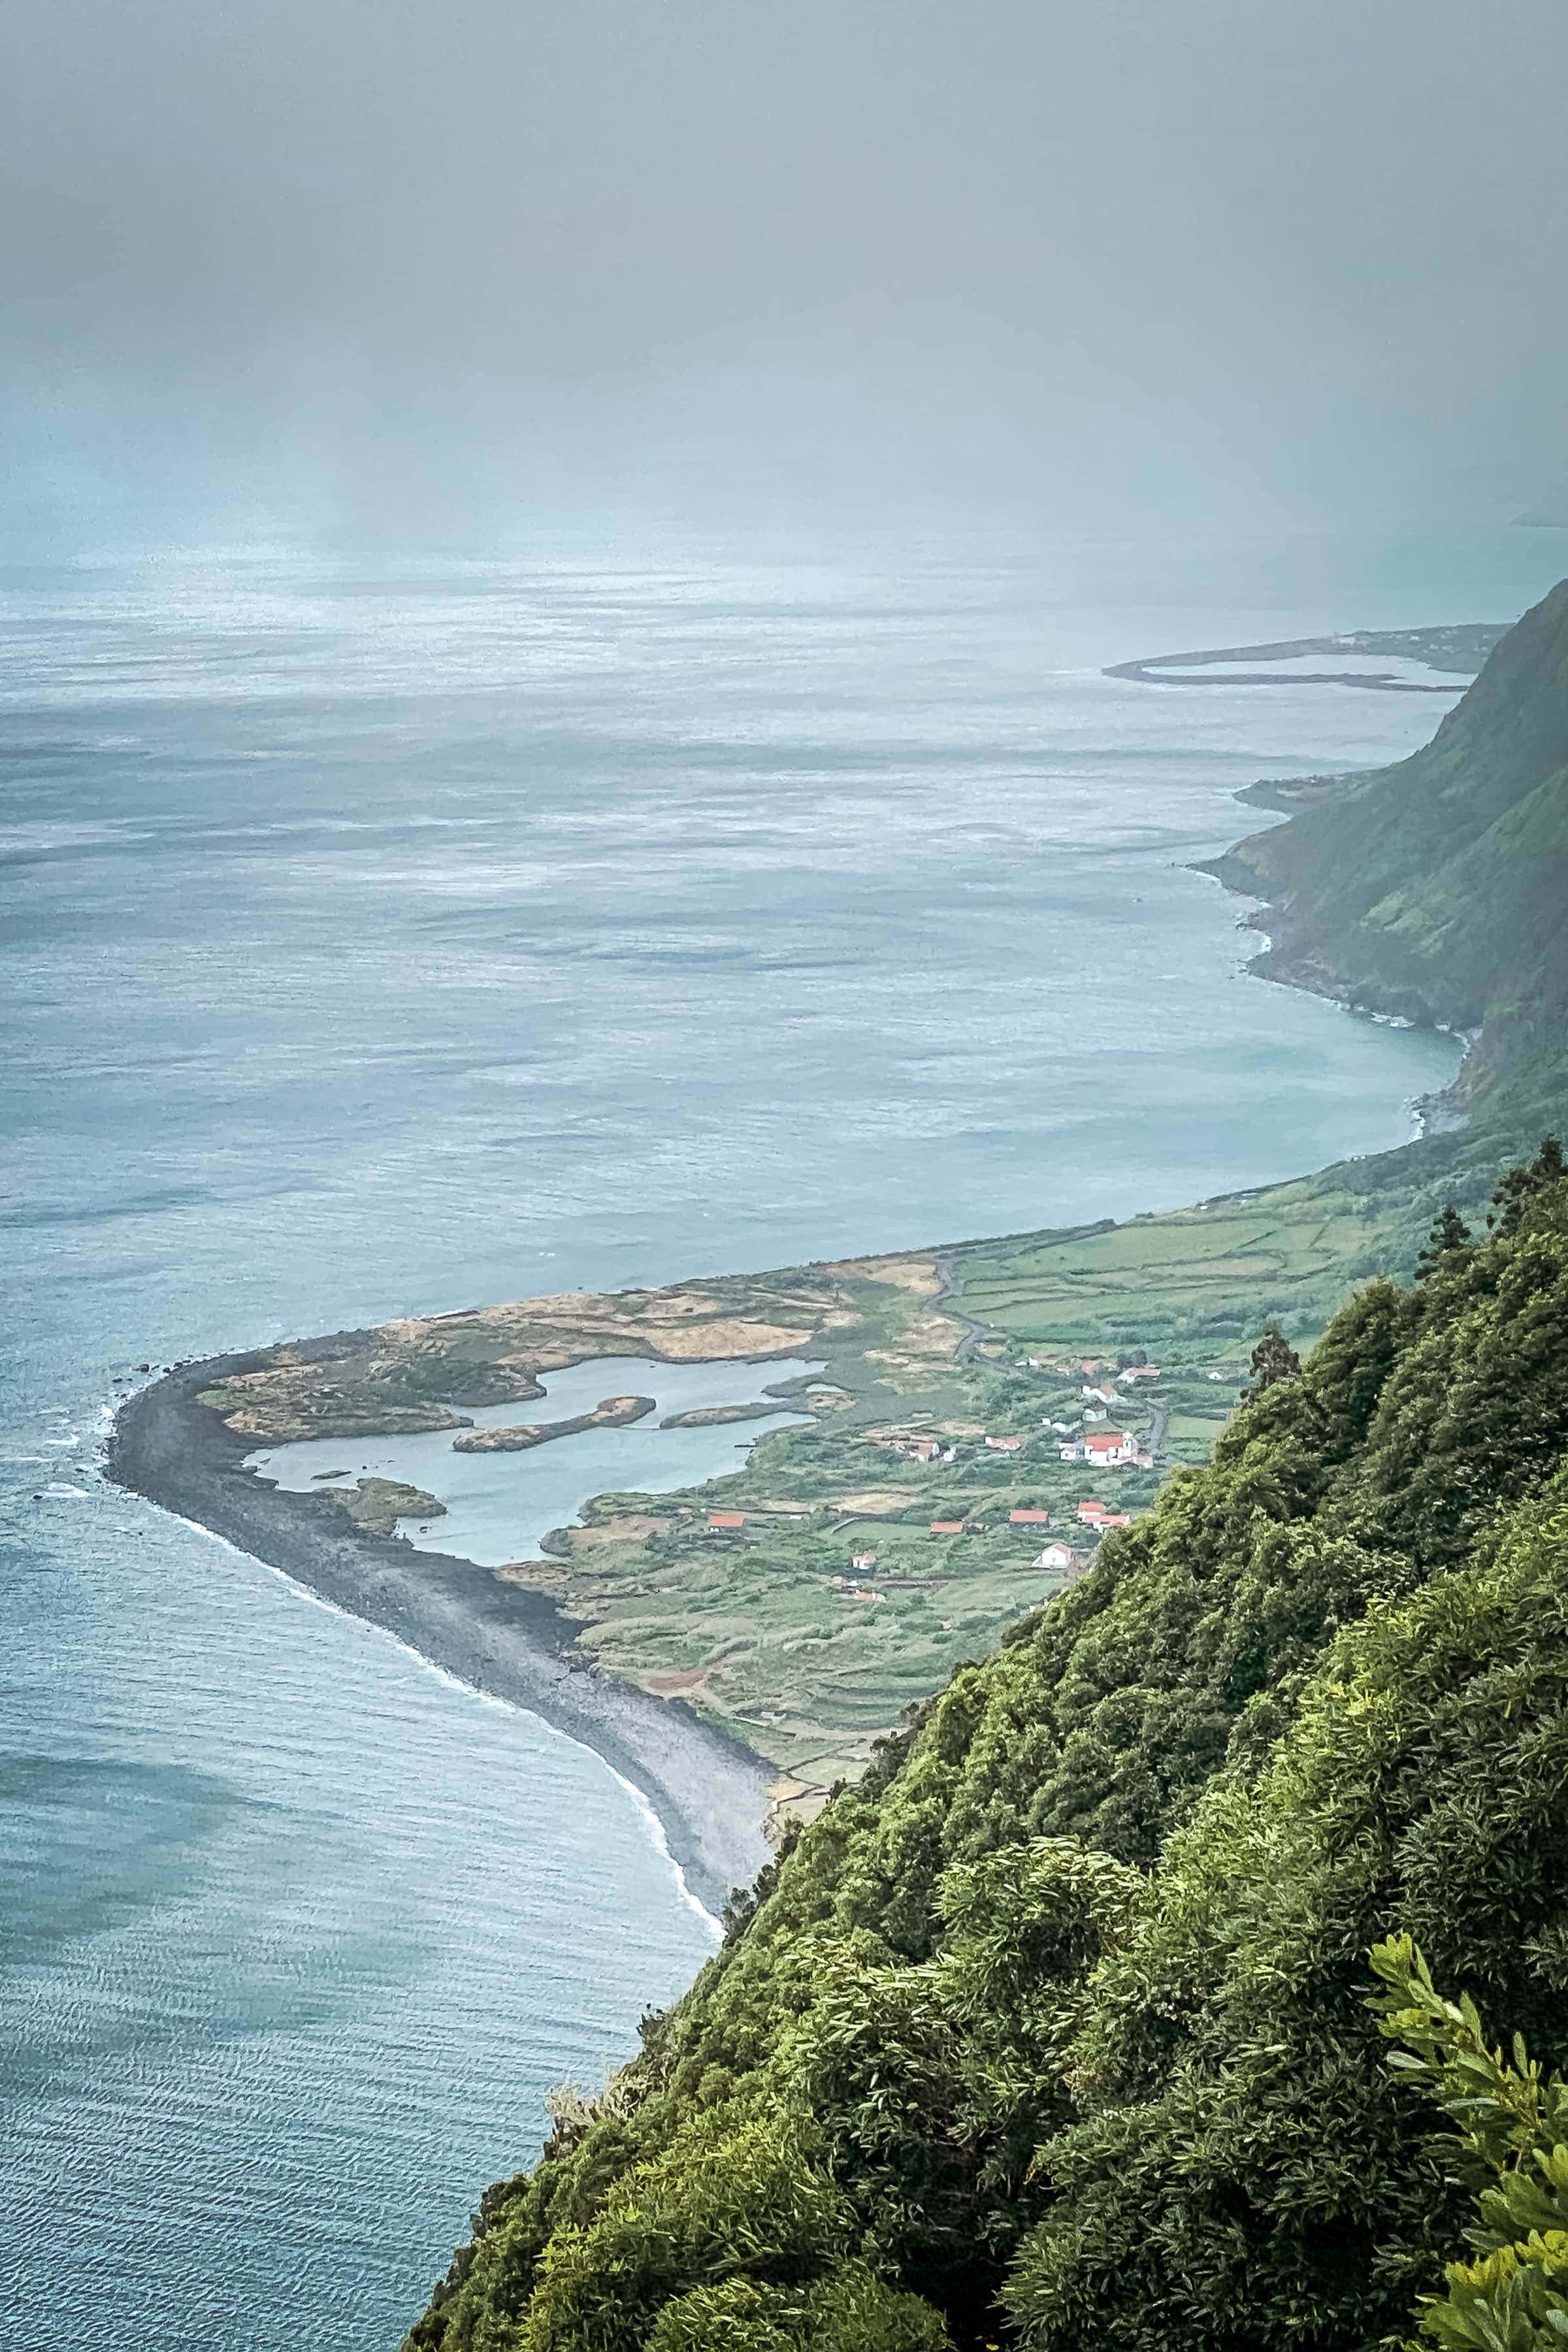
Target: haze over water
386	937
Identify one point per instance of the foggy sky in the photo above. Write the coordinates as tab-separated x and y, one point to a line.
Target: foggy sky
1231	248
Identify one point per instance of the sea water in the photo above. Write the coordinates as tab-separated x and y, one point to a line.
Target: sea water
383	938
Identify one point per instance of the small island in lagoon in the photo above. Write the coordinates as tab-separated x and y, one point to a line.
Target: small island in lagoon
615	1412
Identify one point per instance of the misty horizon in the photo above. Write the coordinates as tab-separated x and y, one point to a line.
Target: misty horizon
391	271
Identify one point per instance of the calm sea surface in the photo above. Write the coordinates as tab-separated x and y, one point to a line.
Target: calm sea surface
382	939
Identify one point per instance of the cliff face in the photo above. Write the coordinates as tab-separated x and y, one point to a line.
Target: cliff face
1438	888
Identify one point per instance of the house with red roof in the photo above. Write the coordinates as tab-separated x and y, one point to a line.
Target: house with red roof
947	1527
1028	1518
1004	1445
726	1522
1109	1447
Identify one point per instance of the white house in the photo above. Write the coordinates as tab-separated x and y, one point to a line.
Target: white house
1110	1446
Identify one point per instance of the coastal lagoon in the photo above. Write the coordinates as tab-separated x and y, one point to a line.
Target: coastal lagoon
385	938
500	1507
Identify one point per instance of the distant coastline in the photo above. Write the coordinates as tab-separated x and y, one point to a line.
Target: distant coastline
1459	649
709	1793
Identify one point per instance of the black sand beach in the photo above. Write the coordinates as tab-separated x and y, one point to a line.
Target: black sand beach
710	1794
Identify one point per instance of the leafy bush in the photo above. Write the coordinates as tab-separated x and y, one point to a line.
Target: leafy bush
1512	2143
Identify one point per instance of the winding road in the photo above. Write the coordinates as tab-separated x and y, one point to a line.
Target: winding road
974	1332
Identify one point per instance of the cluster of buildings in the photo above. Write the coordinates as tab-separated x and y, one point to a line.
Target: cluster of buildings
1101	1517
921	1449
1103	1447
1109	1449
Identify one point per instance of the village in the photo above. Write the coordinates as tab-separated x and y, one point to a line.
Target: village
1067	1525
846	1566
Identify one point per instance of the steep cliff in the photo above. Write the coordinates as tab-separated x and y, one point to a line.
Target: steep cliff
1437	889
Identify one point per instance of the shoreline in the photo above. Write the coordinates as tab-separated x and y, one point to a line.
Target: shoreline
1459	647
1282	961
708	1793
1286	961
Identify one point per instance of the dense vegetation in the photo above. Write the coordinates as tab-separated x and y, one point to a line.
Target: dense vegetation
1056	2031
1510	2144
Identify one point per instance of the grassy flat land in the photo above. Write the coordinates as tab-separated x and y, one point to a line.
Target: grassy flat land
770	1629
1187	1280
773	1629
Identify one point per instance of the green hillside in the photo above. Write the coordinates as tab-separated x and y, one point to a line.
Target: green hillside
1438	888
1056	2032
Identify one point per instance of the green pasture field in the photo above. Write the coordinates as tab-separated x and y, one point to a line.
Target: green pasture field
1196	1282
807	1673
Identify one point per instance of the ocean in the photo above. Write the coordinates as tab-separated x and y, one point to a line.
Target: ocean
386	935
